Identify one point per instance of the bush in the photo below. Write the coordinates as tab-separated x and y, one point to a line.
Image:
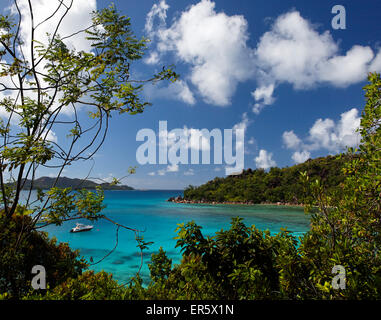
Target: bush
20	251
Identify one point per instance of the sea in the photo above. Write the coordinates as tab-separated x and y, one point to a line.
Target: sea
157	220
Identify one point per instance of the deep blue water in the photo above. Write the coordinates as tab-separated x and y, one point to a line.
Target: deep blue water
149	211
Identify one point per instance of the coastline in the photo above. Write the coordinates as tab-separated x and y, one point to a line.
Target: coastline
249	203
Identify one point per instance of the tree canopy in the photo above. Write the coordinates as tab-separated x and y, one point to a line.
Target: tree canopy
46	84
277	185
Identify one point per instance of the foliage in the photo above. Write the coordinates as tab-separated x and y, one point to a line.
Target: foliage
239	263
160	266
47	85
277	185
87	286
246	263
346	228
20	251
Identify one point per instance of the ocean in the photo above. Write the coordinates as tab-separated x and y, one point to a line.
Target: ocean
150	212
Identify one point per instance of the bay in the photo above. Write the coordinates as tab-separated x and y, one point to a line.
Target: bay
150	212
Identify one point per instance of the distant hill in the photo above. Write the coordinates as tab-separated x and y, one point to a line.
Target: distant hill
64	182
277	185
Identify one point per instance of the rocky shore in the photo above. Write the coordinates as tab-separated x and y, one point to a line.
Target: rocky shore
180	199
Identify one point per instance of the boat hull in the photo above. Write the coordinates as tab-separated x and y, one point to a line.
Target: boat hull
81	230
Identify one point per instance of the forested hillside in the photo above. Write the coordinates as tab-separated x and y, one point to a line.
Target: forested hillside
45	183
277	185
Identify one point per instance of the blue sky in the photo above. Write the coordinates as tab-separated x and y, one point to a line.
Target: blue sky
276	68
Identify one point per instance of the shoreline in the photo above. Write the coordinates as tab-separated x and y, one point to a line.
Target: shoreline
249	203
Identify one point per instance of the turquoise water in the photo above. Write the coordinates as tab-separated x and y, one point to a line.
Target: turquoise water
149	211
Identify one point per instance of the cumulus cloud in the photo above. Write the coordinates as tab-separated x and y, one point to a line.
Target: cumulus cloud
291	140
326	134
47	16
178	90
50	136
263	97
264	160
158	10
78	18
213	45
376	63
294	52
197	139
335	137
153	58
244	123
300	157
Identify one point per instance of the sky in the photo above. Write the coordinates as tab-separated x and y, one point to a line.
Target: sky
280	70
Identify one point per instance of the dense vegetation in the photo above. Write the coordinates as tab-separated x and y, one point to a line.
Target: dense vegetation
278	185
244	262
46	183
239	263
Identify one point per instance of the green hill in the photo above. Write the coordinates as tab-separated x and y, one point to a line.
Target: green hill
64	182
277	185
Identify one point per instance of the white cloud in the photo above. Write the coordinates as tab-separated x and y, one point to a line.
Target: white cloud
178	90
291	140
294	52
51	136
326	134
342	71
251	141
181	90
264	160
158	10
153	58
376	64
214	45
47	16
197	139
78	18
263	97
244	122
164	171
173	168
300	157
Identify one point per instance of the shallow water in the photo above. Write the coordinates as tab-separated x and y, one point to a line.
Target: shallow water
149	211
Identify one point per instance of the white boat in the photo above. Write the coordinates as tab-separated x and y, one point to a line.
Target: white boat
81	227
